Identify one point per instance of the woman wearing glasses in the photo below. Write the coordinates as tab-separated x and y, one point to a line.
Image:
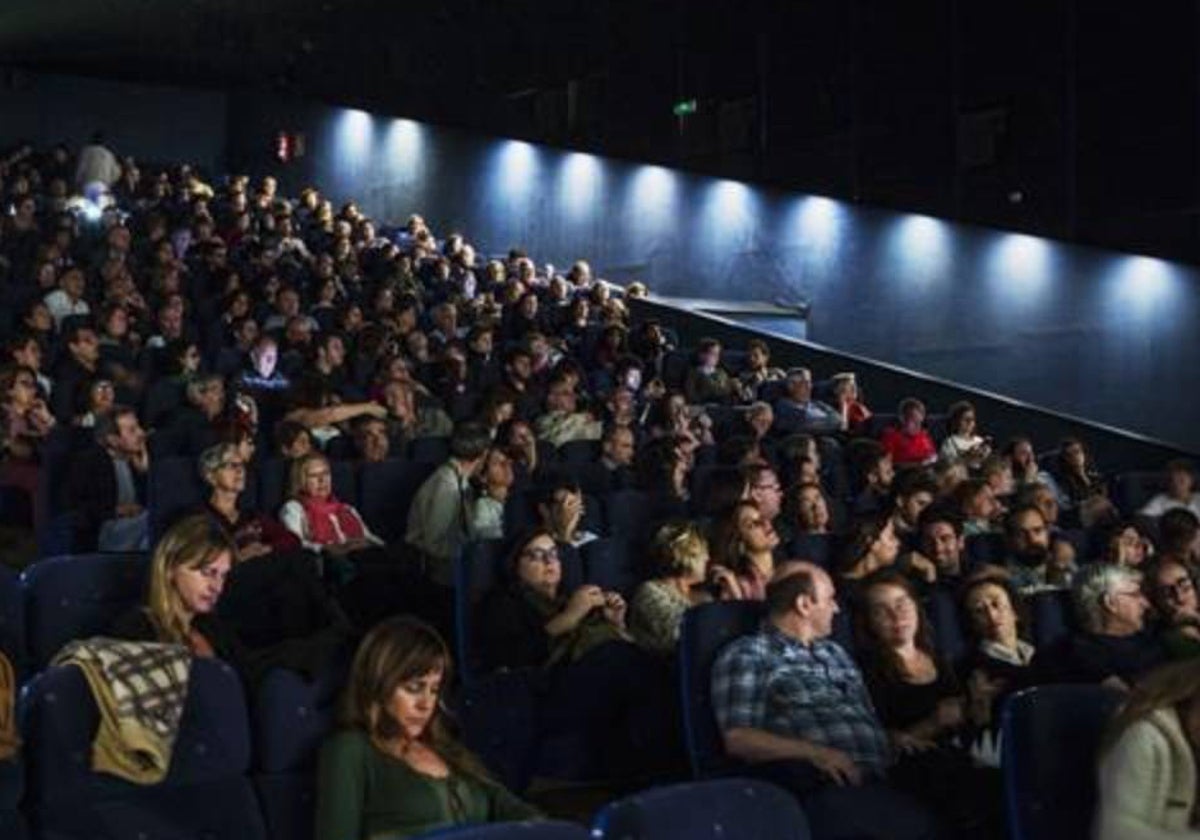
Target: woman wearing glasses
1173	595
591	681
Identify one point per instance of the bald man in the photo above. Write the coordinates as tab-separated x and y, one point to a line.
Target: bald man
788	699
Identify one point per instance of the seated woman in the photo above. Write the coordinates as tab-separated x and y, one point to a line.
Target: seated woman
320	520
1172	590
809	509
273	597
874	546
848	402
95	398
999	659
223	468
707	381
1150	760
680	554
1125	544
744	542
593	680
25	424
919	700
963	443
1083	490
187	576
392	769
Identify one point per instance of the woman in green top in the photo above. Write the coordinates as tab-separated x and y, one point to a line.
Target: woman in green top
392	771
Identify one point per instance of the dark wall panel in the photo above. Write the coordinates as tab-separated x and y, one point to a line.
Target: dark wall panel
150	123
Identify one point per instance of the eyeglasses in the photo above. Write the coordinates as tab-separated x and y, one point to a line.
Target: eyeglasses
1176	589
772	487
1128	593
541	555
232	465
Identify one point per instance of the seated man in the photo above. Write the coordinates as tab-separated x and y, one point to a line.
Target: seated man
792	704
1180	492
797	411
562	423
1035	558
943	543
106	486
1112	646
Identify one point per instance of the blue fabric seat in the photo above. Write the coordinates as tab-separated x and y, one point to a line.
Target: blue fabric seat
944	619
822	549
985	549
205	794
539	830
429	450
1049	739
707	629
174	488
12	618
78	596
387	490
721	809
1052	616
608	564
579	451
1134	489
291	716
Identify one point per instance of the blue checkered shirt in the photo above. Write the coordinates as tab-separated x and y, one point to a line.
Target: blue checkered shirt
772	682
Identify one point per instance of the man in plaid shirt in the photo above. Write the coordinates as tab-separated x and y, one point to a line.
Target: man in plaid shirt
788	699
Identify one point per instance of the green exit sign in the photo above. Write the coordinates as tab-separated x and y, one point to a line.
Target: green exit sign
684	107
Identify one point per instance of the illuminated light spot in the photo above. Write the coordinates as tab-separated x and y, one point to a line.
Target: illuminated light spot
517	169
581	181
1020	265
404	144
354	137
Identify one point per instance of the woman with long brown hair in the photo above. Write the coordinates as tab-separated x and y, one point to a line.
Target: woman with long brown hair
393	769
1148	763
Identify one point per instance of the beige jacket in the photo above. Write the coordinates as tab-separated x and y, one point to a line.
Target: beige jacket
1148	783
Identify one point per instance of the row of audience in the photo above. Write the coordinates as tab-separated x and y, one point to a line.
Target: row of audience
241	323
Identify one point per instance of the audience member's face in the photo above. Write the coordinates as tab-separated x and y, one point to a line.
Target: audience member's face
1030	536
893	615
498	469
1047	503
373	443
883	473
265	356
521	367
1127	548
101	397
30	355
538	565
561	397
39	318
1022	457
756	531
620	448
943	546
909	507
812	509
1180	484
1126	607
199	589
757	358
761	421
300	446
86	347
800	388
991	613
230	474
912	420
130	437
768	493
318	480
1175	592
982	505
886	547
414	703
824	605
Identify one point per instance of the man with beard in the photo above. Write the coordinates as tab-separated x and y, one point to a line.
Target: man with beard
1035	559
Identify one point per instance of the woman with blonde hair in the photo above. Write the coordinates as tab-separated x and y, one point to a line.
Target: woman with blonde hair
1148	762
680	554
187	575
316	516
393	769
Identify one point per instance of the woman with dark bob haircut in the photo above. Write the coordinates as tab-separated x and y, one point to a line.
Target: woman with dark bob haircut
392	769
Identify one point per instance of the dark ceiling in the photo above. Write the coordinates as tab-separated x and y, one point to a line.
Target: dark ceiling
1072	118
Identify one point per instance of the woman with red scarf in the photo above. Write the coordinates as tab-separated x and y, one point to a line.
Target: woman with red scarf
318	518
